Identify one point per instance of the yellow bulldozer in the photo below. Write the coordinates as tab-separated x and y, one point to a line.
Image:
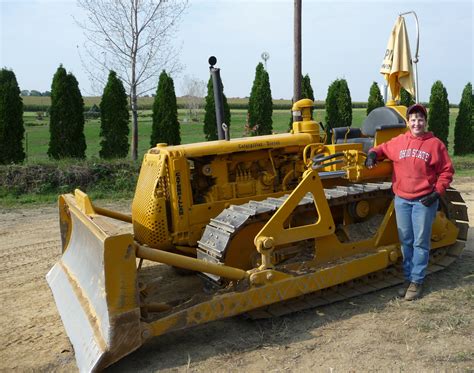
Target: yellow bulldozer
261	226
264	225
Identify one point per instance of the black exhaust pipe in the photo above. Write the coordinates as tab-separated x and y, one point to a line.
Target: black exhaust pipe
222	127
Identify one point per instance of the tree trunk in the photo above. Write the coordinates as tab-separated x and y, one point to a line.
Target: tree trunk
134	101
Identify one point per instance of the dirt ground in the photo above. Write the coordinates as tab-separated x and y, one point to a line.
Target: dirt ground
375	332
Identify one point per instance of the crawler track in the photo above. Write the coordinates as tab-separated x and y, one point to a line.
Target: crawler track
220	232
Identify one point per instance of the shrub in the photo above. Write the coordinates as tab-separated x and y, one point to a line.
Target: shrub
438	118
338	106
66	121
165	128
306	89
114	119
260	103
375	98
464	129
12	129
92	113
406	99
65	176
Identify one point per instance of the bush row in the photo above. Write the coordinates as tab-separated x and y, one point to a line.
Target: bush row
65	176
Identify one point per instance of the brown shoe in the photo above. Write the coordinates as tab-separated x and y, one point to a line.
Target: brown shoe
403	289
413	291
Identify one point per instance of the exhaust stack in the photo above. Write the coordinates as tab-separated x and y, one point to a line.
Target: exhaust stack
222	128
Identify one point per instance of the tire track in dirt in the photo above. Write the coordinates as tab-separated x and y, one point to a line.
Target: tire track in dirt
32	332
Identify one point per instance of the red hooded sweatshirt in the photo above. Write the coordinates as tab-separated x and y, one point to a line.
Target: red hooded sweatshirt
421	164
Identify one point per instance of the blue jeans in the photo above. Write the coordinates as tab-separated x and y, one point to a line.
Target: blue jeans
414	221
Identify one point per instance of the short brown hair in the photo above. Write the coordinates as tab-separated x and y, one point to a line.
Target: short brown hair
417	108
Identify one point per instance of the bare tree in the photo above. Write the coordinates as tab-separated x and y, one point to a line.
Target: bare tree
133	38
194	91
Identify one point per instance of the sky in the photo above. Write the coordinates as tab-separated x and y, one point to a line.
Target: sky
340	39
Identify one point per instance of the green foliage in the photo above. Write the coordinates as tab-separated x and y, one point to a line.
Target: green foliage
12	129
406	98
210	127
338	105
104	178
438	118
306	92
375	98
166	127
464	129
114	119
260	103
66	124
306	89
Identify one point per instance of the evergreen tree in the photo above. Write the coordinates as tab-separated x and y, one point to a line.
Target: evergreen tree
165	113
375	98
66	121
438	118
114	119
306	92
11	119
344	103
464	129
406	98
260	103
210	127
332	113
306	89
338	105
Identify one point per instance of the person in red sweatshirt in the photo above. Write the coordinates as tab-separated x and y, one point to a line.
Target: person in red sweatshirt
422	171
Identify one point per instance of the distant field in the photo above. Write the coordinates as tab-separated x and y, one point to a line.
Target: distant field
142	101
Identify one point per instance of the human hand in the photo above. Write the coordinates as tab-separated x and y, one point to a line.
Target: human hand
429	199
371	160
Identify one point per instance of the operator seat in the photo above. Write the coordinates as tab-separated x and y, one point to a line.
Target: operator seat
379	119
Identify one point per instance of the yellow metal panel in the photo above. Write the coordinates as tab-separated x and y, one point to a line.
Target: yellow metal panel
94	286
242	144
234	303
387	134
322	227
150	223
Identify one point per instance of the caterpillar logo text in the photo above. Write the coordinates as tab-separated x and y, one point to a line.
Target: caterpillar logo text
179	193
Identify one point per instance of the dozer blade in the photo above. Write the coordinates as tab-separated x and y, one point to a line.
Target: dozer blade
94	287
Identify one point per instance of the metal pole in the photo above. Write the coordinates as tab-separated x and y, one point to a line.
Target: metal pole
218	99
297	51
415	60
192	264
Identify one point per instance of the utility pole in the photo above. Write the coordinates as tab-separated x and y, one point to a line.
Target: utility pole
297	52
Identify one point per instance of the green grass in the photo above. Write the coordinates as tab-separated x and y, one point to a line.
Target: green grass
9	200
37	131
